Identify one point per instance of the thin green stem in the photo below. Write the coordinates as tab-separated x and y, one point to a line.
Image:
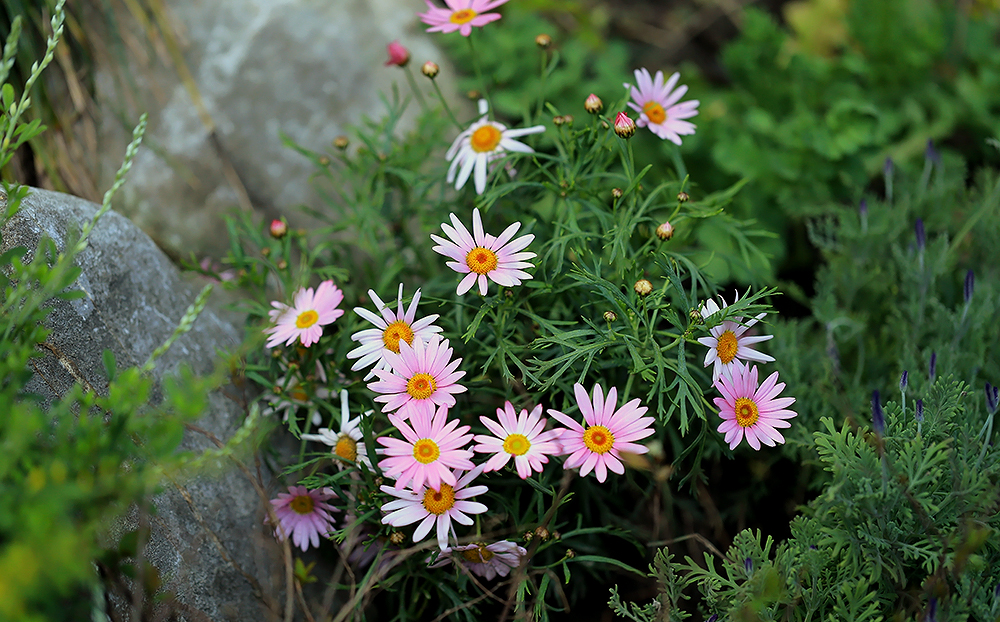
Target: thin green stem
444	102
479	72
413	87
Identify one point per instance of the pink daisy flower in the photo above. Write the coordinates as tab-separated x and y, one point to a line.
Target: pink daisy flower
390	328
609	432
304	514
480	256
304	320
433	447
419	378
657	105
435	507
520	437
728	342
750	410
485	560
461	15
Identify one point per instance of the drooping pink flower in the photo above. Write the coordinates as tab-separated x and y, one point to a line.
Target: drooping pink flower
608	434
390	329
521	437
485	560
419	378
657	105
435	507
304	320
461	15
729	344
303	514
398	55
481	256
752	411
433	447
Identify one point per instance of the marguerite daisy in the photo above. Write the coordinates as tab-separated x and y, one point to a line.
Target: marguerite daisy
433	447
480	256
521	437
609	432
485	560
304	320
657	105
419	378
461	15
752	411
435	507
347	443
729	343
304	514
480	144
390	328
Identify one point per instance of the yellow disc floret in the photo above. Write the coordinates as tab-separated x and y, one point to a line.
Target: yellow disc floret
463	17
598	439
654	112
746	412
346	448
481	260
426	451
396	332
302	504
439	501
726	347
306	319
421	386
485	139
516	444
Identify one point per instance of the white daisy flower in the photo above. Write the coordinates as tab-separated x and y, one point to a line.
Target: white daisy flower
728	342
347	443
483	142
390	328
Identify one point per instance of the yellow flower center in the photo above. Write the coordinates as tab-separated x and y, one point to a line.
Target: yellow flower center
746	412
439	501
481	260
426	451
346	448
306	319
298	394
516	444
598	439
421	386
396	332
302	504
478	555
727	347
654	112
463	17
485	139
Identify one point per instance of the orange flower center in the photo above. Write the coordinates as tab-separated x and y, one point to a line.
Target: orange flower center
298	394
306	319
726	347
421	386
654	112
478	555
439	501
426	451
396	332
746	412
463	17
485	139
516	444
302	504
598	439
346	448
481	260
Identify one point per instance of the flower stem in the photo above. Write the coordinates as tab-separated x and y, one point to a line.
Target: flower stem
413	87
444	102
479	72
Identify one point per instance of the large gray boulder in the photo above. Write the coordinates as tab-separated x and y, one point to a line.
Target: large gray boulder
305	68
212	548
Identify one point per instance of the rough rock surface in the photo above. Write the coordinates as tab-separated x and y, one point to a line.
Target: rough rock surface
135	298
305	68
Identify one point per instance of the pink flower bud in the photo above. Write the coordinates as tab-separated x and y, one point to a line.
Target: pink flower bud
278	228
624	125
398	55
593	104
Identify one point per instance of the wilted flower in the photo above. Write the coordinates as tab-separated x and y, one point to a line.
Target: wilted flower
683	197
398	55
430	69
751	410
485	560
290	394
657	105
303	514
624	125
435	508
481	256
304	320
593	104
616	193
610	316
518	436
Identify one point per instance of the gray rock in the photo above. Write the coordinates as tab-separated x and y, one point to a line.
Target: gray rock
305	68
135	298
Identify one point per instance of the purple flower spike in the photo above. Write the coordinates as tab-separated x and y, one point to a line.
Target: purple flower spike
970	285
714	617
863	207
931	153
889	167
903	380
932	610
878	416
992	398
748	564
933	366
921	236
920	411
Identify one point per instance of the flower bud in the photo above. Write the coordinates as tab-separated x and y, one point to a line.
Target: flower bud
282	264
278	228
542	532
878	416
643	287
683	197
616	193
992	398
430	69
610	316
265	252
932	368
624	125
904	380
931	153
528	535
341	142
593	104
665	231
920	411
970	285
570	553
397	538
398	55
543	41
474	95
558	120
863	207
918	228
748	564
568	119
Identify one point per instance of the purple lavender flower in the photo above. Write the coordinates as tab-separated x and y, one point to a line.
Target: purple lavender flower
748	564
931	153
933	366
903	380
863	207
921	236
920	411
970	285
878	416
932	610
992	398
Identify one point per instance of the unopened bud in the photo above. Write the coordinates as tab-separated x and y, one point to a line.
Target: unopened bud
624	125
610	316
397	538
593	104
665	231
265	252
568	119
570	553
282	264
528	535
430	70
617	193
556	535
970	286
542	532
643	287
341	142
918	228
683	197
543	41
324	161
904	380
558	120
878	415
278	228
398	55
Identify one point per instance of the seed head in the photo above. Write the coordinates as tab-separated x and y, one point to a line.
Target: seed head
278	228
430	69
643	287
624	125
665	231
543	41
593	104
341	142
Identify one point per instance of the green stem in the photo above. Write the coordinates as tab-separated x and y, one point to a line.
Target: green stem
413	87
479	73
444	102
